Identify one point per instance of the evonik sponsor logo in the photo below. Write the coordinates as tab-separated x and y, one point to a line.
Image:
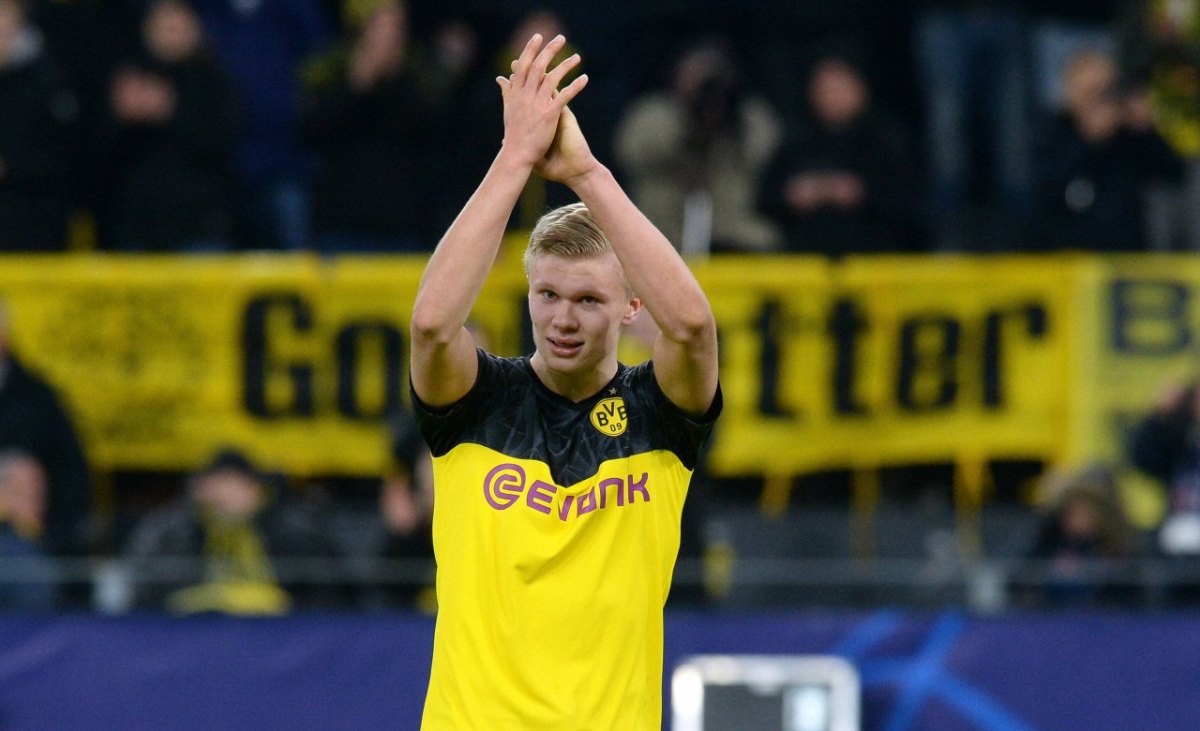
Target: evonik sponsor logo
506	485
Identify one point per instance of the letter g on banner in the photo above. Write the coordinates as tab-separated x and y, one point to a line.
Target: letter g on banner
503	485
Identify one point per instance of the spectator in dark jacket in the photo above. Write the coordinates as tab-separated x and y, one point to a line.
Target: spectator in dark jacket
465	127
89	38
403	531
1083	542
231	535
367	117
22	523
1160	52
844	182
169	140
33	420
37	110
1095	161
1166	446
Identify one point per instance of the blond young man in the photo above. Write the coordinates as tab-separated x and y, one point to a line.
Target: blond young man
559	477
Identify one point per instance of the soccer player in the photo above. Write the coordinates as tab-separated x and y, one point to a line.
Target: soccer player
559	477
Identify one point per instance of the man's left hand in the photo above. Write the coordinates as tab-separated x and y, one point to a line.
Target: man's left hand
569	156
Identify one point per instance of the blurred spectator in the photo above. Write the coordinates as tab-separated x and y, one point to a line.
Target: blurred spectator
33	420
89	38
1166	446
231	531
168	140
694	155
452	58
402	534
1082	537
972	66
262	44
22	522
466	129
843	183
771	35
1061	30
1095	160
37	111
367	116
1161	54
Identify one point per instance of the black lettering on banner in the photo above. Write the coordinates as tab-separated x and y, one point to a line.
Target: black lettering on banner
1149	317
770	326
1033	317
919	362
351	340
847	325
258	362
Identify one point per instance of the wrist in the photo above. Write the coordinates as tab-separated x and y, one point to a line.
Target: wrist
514	161
595	174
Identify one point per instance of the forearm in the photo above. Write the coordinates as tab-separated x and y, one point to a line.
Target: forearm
443	363
460	264
655	270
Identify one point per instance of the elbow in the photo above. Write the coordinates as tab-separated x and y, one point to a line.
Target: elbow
430	329
694	329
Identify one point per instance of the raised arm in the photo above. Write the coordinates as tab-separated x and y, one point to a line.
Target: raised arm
685	351
443	351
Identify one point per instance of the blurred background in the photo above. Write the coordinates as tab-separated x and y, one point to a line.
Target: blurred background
951	248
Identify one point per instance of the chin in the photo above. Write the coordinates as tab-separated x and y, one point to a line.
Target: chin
564	365
573	364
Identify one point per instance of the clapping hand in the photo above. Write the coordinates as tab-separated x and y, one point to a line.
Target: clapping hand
538	127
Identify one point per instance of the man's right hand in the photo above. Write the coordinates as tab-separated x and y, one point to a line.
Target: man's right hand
532	101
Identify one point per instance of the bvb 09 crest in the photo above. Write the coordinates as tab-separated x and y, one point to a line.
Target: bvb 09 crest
609	417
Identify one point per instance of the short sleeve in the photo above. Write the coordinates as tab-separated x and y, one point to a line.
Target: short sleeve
442	427
683	434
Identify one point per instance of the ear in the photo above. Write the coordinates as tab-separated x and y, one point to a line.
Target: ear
632	311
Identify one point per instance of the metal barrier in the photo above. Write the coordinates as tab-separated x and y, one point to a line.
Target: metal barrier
991	585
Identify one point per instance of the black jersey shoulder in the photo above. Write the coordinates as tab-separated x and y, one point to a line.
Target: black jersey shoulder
510	411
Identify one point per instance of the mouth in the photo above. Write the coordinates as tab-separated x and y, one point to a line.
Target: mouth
564	347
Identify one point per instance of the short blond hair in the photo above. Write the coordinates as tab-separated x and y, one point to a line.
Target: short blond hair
569	232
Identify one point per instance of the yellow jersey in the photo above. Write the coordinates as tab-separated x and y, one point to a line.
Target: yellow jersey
556	527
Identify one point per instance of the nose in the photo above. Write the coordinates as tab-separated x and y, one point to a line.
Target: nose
564	317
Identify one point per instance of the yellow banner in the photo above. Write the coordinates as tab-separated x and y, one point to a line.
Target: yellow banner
886	361
864	363
1140	335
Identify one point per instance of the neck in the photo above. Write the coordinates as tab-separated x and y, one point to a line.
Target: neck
575	387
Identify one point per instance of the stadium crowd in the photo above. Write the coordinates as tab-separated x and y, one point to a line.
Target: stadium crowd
225	125
194	126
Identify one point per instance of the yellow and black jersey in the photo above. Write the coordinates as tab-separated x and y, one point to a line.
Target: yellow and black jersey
556	528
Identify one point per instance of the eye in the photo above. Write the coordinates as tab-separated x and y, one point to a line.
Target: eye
548	295
588	299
